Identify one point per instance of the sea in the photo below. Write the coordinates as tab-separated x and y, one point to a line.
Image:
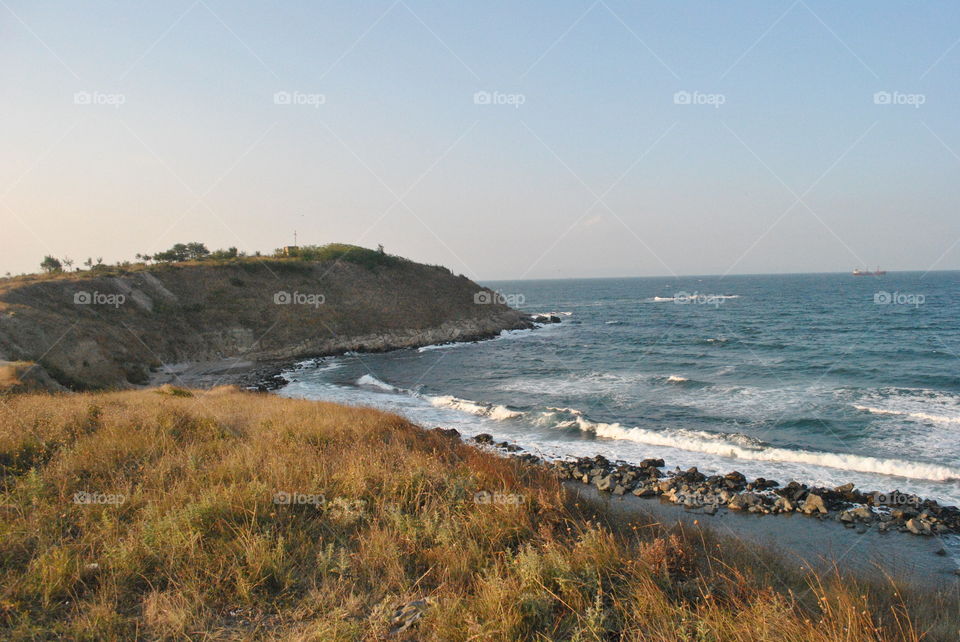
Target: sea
820	378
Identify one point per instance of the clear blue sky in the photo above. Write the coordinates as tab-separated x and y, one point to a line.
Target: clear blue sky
599	172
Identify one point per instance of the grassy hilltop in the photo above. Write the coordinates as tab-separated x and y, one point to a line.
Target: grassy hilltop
161	514
110	327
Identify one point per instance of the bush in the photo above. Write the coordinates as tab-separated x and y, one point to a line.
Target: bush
342	252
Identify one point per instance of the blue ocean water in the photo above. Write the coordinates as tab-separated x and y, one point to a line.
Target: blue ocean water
822	378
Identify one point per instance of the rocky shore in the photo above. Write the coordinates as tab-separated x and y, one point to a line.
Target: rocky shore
199	324
708	494
268	376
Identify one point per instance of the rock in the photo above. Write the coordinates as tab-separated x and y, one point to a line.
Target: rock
652	463
644	491
710	509
619	490
918	527
452	433
784	505
407	615
736	477
484	438
813	503
544	318
694	475
737	503
846	488
862	513
603	483
902	513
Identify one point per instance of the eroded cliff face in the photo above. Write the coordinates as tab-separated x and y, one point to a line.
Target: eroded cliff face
92	331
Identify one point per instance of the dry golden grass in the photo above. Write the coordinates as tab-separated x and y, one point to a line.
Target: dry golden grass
11	374
195	546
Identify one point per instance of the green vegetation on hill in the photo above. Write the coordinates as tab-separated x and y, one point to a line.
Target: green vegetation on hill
196	252
342	252
175	514
111	326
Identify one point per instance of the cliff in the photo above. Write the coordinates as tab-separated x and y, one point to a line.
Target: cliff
110	329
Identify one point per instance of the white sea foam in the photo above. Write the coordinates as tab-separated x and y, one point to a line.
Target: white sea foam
373	382
739	446
914	415
912	403
677	379
687	297
499	413
443	346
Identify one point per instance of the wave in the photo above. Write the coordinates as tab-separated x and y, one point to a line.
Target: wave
499	413
504	334
923	404
692	297
904	413
739	446
373	382
442	346
677	379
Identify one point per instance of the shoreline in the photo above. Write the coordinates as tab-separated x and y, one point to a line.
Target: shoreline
267	374
880	542
877	519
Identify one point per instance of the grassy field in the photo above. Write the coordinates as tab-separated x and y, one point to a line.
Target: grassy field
173	514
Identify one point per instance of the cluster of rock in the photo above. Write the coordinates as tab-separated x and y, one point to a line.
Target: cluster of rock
544	318
733	491
692	489
264	378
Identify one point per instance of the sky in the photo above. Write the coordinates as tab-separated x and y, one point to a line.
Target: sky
505	140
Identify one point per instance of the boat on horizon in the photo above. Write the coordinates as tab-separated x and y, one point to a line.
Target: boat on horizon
877	272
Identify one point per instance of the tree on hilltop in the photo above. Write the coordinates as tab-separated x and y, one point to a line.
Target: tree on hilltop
50	265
